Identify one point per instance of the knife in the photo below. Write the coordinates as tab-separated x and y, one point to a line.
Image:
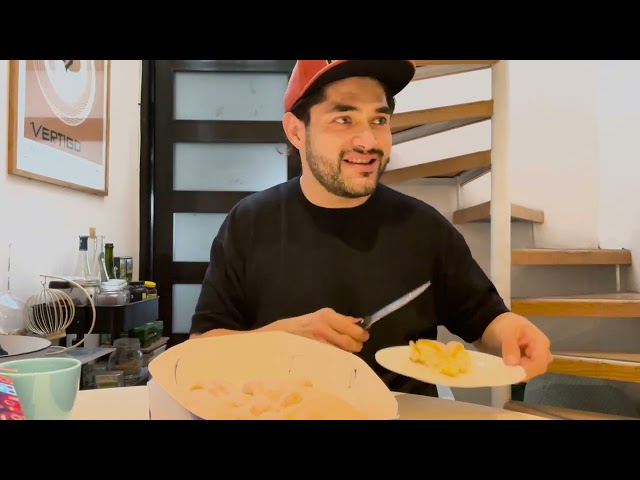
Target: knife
369	320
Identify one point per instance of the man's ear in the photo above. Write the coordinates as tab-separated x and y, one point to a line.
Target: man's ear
294	129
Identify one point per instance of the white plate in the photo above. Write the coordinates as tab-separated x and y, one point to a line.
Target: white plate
17	345
486	370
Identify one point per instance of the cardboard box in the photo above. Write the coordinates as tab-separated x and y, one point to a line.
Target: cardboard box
267	357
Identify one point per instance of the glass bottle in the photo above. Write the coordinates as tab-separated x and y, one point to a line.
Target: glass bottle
108	260
99	266
83	269
93	248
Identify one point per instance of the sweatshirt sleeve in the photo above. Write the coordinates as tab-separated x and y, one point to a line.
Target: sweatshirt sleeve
467	300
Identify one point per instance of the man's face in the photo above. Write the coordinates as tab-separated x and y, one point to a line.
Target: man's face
348	140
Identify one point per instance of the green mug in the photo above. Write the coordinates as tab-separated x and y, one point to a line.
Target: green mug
46	387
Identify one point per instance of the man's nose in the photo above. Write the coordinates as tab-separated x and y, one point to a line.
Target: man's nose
365	139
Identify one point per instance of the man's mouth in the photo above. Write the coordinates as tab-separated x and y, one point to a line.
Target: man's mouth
360	160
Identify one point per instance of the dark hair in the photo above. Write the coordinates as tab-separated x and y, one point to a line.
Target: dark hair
302	110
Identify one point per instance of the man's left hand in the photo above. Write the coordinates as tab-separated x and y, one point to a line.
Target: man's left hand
519	342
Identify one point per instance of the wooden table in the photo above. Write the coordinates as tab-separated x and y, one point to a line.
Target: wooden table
132	403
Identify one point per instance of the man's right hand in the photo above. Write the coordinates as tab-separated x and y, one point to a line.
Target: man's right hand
328	326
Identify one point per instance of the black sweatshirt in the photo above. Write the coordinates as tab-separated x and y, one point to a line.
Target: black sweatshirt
279	256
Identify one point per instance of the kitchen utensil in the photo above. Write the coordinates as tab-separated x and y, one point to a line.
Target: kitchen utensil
51	311
367	321
22	346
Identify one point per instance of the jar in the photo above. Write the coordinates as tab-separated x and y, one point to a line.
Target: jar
137	291
112	293
90	285
152	292
64	286
127	358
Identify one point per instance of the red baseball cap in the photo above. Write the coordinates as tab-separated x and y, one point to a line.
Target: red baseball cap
308	75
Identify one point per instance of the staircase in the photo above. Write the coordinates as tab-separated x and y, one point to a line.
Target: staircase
500	214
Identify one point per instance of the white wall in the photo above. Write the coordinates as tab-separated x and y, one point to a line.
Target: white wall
573	154
619	155
43	221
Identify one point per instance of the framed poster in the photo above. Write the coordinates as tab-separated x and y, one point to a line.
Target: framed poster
59	122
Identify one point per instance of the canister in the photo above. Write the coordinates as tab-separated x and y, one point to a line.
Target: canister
138	291
152	292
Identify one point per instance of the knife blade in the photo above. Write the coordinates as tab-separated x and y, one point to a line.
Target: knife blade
369	320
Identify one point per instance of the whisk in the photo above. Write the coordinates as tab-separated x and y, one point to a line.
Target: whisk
50	312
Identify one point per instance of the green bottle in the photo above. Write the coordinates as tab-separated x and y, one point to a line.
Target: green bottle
108	259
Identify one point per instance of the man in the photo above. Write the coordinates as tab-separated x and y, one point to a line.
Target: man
314	255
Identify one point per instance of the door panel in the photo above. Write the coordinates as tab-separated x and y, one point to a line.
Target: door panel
225	167
221	95
192	234
185	297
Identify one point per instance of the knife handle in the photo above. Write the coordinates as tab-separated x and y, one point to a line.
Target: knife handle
365	322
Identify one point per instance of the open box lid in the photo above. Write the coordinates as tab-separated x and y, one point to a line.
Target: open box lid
243	357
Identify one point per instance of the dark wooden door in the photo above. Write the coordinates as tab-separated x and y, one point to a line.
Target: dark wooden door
211	135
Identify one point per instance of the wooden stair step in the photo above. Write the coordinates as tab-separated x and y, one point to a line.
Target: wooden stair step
623	367
407	126
605	305
440	68
463	168
559	413
482	213
550	256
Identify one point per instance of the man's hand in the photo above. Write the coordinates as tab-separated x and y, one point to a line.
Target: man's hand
325	325
519	342
328	326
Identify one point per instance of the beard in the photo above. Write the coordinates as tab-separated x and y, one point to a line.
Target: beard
329	174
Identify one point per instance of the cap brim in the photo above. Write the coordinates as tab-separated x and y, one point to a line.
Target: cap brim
395	74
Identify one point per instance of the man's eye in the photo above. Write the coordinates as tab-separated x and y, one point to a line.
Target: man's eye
382	121
343	120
